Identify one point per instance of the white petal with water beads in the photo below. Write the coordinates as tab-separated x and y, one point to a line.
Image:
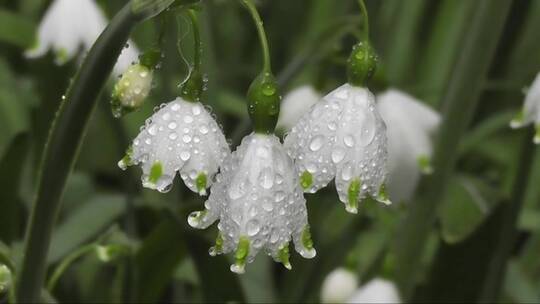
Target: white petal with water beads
180	137
295	104
342	137
259	204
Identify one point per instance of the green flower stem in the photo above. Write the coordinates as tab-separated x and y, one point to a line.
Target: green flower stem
262	34
60	269
366	19
65	137
460	100
197	52
192	88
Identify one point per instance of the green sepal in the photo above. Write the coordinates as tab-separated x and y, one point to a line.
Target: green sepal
155	172
150	58
192	88
362	64
306	180
353	194
263	103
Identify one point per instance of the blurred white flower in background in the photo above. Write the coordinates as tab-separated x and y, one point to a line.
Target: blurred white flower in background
411	126
376	291
259	204
181	136
342	137
338	286
531	110
70	26
295	104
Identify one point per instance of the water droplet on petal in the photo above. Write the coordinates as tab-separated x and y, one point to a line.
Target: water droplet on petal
253	227
337	155
266	178
348	140
316	143
185	155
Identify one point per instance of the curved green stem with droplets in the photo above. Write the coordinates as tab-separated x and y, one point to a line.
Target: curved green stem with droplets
262	34
191	89
66	136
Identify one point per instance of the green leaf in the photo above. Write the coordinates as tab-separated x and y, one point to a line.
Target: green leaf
84	224
16	30
467	203
157	259
518	287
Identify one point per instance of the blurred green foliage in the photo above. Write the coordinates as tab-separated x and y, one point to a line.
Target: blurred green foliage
419	43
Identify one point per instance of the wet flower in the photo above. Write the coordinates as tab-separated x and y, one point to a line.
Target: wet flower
338	286
342	137
531	110
295	104
6	278
70	26
410	128
259	204
181	136
376	291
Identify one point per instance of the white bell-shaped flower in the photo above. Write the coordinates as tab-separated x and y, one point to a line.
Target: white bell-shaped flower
338	286
376	291
131	89
342	137
531	110
411	126
295	104
181	136
70	26
259	204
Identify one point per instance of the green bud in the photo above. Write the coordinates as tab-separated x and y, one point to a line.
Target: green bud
193	87
263	103
112	252
6	278
131	90
361	64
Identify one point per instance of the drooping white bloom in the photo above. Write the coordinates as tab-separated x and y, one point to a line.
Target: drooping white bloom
181	136
295	104
73	25
132	89
338	286
259	204
6	278
342	137
376	291
410	128
531	110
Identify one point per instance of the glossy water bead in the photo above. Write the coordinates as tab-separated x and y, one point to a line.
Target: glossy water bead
180	137
342	137
259	204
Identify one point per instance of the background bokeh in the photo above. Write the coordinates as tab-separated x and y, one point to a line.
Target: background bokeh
419	43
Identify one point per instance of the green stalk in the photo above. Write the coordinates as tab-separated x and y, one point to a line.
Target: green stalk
65	137
366	19
66	263
267	68
461	100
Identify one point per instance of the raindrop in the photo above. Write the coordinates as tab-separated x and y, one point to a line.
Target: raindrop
266	178
316	143
348	140
337	155
188	119
172	125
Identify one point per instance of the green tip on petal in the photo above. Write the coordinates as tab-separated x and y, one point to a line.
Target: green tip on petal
537	135
306	238
61	56
127	160
306	180
155	173
383	196
424	163
6	278
284	255
218	248
201	183
353	195
241	255
518	120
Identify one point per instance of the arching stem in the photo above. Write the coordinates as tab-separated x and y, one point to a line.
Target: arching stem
262	34
366	19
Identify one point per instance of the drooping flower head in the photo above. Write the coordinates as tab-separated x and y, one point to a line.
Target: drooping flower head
70	26
376	291
295	104
181	136
531	110
411	126
259	204
342	137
